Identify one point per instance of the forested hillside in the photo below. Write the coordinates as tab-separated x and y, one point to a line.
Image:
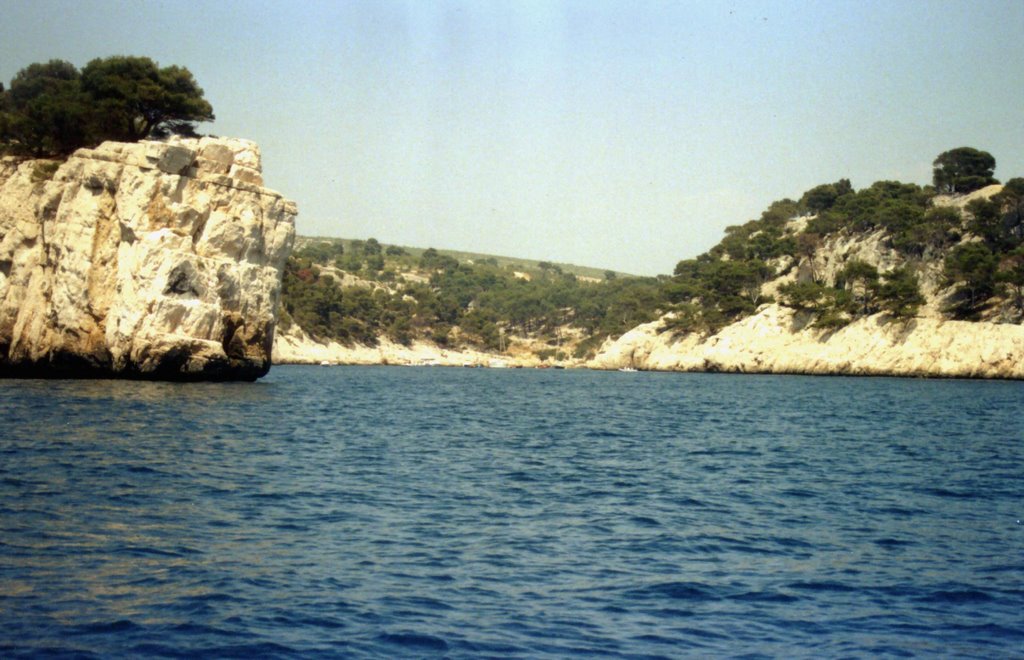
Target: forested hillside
367	290
951	249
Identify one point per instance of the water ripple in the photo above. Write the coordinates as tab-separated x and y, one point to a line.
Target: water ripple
371	512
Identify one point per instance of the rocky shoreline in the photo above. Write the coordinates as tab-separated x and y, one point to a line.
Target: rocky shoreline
776	340
294	346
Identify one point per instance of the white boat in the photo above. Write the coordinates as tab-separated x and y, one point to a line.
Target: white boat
627	369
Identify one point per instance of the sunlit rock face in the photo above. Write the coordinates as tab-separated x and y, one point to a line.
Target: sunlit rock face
151	260
777	340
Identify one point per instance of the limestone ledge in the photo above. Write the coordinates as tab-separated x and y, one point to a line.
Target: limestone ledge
226	162
777	340
294	346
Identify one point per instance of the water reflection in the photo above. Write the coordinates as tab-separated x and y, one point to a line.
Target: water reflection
141	391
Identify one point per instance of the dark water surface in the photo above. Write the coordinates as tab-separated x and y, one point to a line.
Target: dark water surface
431	512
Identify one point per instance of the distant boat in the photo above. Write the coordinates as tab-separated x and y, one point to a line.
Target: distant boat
325	363
627	369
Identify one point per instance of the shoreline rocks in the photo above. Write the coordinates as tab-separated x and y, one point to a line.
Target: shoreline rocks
776	341
294	346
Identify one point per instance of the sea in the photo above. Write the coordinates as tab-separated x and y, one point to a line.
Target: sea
429	512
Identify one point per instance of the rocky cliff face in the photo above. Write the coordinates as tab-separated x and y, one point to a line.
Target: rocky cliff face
149	260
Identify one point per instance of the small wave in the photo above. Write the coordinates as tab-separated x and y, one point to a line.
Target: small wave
945	492
106	627
900	511
603	433
260	650
154	650
214	597
295	621
422	603
491	649
789	542
991	629
799	493
651	638
145	551
291	527
956	596
202	630
202	605
723	452
702	633
270	496
415	640
690	591
520	476
11	651
765	597
824	585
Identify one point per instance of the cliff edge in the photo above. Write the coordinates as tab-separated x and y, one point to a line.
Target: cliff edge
159	260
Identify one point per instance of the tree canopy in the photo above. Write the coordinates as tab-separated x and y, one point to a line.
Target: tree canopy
963	170
45	111
52	108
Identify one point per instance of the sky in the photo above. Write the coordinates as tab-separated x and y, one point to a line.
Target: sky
622	134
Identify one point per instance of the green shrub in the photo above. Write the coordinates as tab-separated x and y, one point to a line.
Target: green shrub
900	293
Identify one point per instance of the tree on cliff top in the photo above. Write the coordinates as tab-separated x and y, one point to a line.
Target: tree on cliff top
136	98
44	112
51	108
963	170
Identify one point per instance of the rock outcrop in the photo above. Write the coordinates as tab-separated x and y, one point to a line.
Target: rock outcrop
151	260
777	340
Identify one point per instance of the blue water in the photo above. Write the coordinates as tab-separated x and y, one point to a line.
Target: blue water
431	512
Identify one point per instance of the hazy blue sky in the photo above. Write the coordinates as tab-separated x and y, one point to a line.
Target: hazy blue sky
622	135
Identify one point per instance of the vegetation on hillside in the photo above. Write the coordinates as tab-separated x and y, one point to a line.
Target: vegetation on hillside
52	108
369	290
436	297
358	291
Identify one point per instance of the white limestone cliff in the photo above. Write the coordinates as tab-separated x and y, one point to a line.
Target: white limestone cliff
777	340
147	260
